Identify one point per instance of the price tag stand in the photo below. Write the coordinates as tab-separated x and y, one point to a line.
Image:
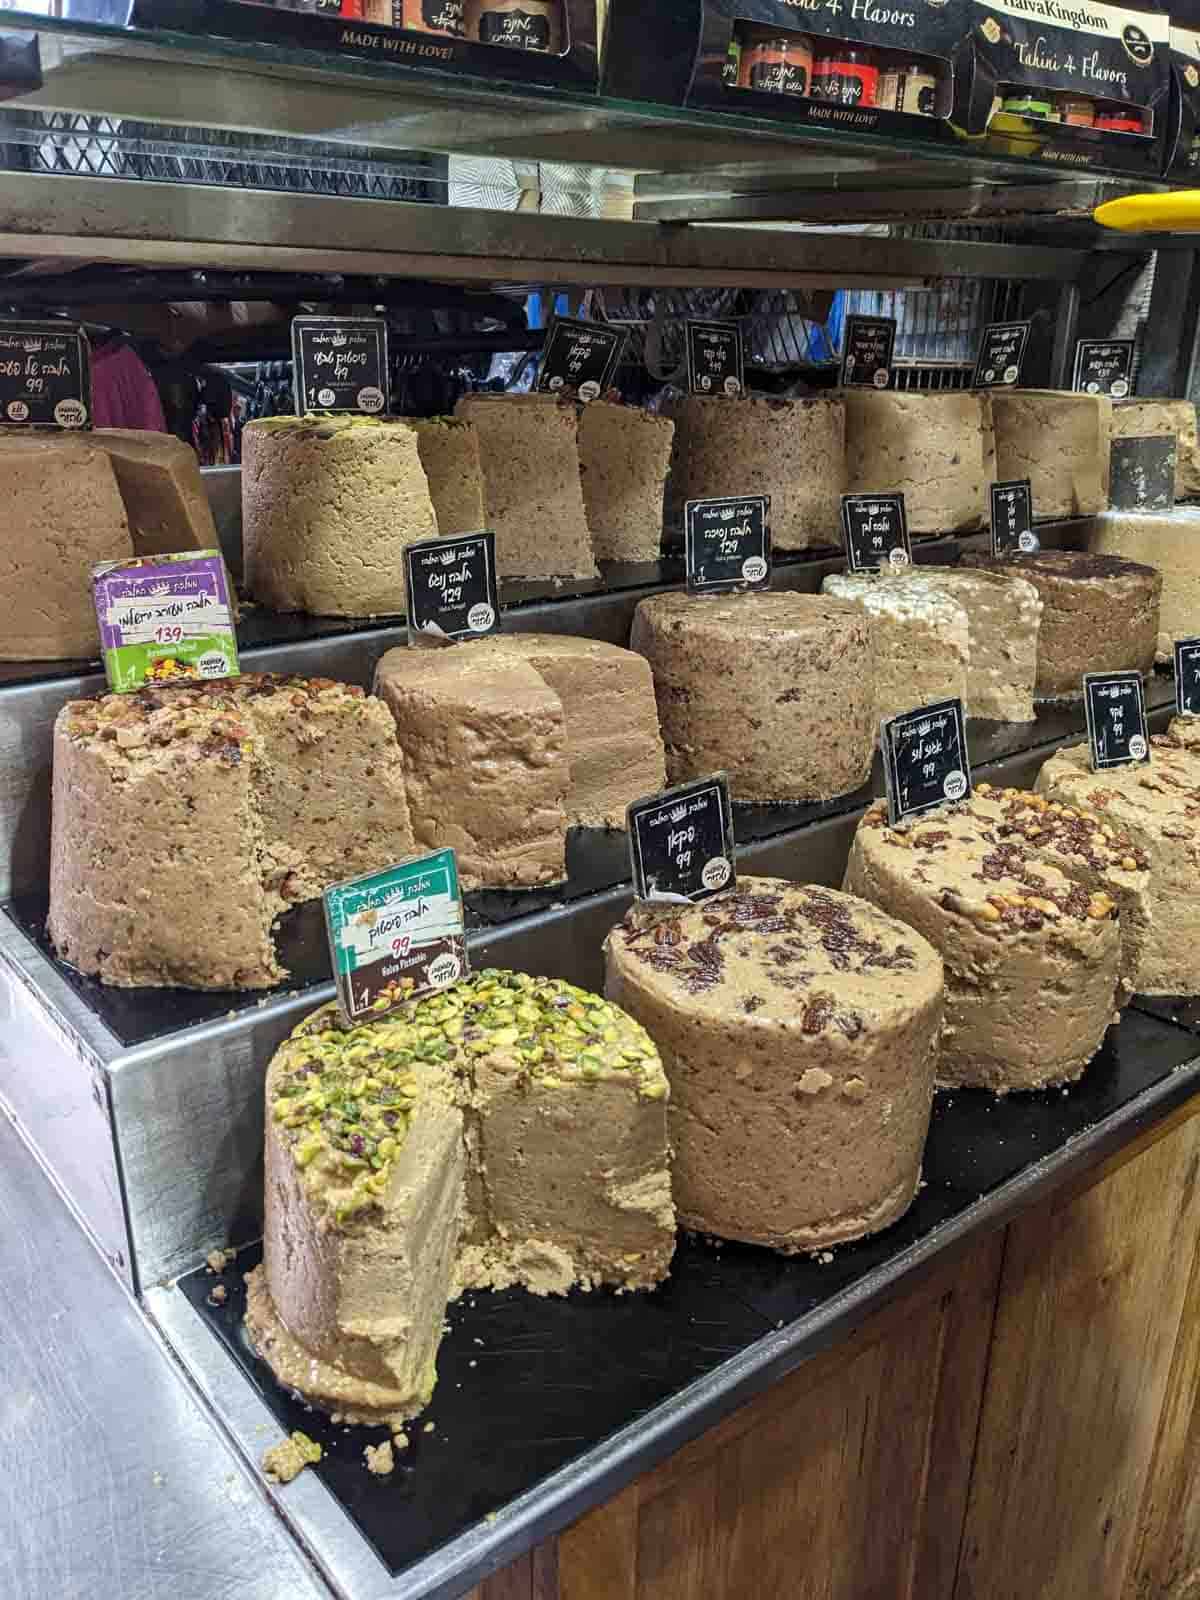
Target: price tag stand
1115	706
681	842
1187	677
396	934
340	364
1012	519
452	590
727	544
875	532
925	760
714	358
580	358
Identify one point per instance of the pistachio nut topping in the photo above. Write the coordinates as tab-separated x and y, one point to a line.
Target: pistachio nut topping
343	1098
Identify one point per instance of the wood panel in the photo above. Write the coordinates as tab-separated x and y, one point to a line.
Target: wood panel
1082	1363
827	1486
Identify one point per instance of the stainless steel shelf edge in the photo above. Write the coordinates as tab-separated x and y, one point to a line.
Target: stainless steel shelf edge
105	219
118	1479
352	1567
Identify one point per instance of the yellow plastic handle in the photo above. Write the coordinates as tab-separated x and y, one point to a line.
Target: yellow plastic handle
1176	212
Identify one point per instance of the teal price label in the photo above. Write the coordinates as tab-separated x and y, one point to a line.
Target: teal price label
396	934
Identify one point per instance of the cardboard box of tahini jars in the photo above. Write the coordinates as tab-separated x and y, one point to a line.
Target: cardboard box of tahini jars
863	65
542	41
1076	83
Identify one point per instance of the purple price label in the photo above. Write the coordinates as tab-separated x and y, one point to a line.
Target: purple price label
165	619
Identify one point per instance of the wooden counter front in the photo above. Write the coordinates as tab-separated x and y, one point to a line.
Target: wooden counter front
1023	1425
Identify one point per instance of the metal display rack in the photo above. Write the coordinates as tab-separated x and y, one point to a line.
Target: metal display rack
154	1138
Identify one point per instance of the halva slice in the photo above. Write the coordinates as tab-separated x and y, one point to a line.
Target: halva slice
793	450
921	638
1156	805
529	448
624	456
329	505
935	449
506	1130
777	689
1060	442
798	1028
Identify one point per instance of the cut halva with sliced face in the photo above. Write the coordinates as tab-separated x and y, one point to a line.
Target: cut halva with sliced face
507	1130
1156	805
529	447
1003	617
921	637
624	455
935	449
798	1028
1099	614
1060	442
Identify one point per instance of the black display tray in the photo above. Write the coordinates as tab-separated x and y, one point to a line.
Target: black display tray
597	860
527	1385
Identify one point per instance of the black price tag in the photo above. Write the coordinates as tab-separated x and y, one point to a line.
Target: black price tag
867	352
452	587
45	376
875	532
1102	366
1116	719
925	759
1012	519
1187	677
714	358
681	842
1142	473
340	364
582	357
727	543
1001	352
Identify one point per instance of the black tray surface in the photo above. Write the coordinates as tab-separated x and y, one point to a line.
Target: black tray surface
528	1385
597	860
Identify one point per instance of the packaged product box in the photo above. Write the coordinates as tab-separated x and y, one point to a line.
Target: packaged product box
865	66
1084	86
1080	85
522	41
1181	147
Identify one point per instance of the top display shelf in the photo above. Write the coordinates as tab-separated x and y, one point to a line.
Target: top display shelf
383	106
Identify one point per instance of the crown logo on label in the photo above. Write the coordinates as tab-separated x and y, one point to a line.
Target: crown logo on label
924	727
31	345
157	589
727	511
448	557
338	340
679	813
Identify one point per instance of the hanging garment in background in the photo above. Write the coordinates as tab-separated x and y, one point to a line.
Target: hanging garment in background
123	392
